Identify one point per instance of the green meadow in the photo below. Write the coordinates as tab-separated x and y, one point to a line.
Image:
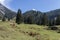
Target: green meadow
12	31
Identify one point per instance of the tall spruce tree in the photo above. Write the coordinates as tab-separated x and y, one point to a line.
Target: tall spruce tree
30	20
51	22
3	19
19	17
45	19
58	20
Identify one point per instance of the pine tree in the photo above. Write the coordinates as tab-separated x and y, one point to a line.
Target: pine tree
4	19
30	20
39	21
58	20
52	21
19	17
45	19
8	19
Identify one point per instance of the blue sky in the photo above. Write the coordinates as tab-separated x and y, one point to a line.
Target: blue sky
41	5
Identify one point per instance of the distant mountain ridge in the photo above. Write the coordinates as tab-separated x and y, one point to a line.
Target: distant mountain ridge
53	13
36	14
50	14
7	12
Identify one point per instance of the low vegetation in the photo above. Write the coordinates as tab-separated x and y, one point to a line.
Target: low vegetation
12	31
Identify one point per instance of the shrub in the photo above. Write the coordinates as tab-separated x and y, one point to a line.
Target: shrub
58	31
33	34
53	28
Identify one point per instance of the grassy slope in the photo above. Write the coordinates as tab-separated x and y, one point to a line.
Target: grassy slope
7	32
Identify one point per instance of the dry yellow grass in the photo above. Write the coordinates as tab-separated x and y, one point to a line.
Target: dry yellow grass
13	31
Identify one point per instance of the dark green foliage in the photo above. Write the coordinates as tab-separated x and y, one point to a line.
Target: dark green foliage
30	20
8	19
58	31
3	19
39	22
53	28
19	17
58	20
35	16
45	19
50	22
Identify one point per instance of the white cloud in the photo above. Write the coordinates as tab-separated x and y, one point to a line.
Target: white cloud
2	1
6	2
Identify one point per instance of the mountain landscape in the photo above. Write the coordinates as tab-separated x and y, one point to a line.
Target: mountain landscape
7	12
30	25
37	14
51	14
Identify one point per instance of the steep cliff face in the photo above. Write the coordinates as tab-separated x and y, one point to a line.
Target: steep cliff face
7	12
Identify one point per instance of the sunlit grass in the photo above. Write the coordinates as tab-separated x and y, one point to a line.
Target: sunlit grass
7	32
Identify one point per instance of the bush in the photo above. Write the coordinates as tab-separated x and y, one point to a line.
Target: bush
58	31
3	19
33	34
53	28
